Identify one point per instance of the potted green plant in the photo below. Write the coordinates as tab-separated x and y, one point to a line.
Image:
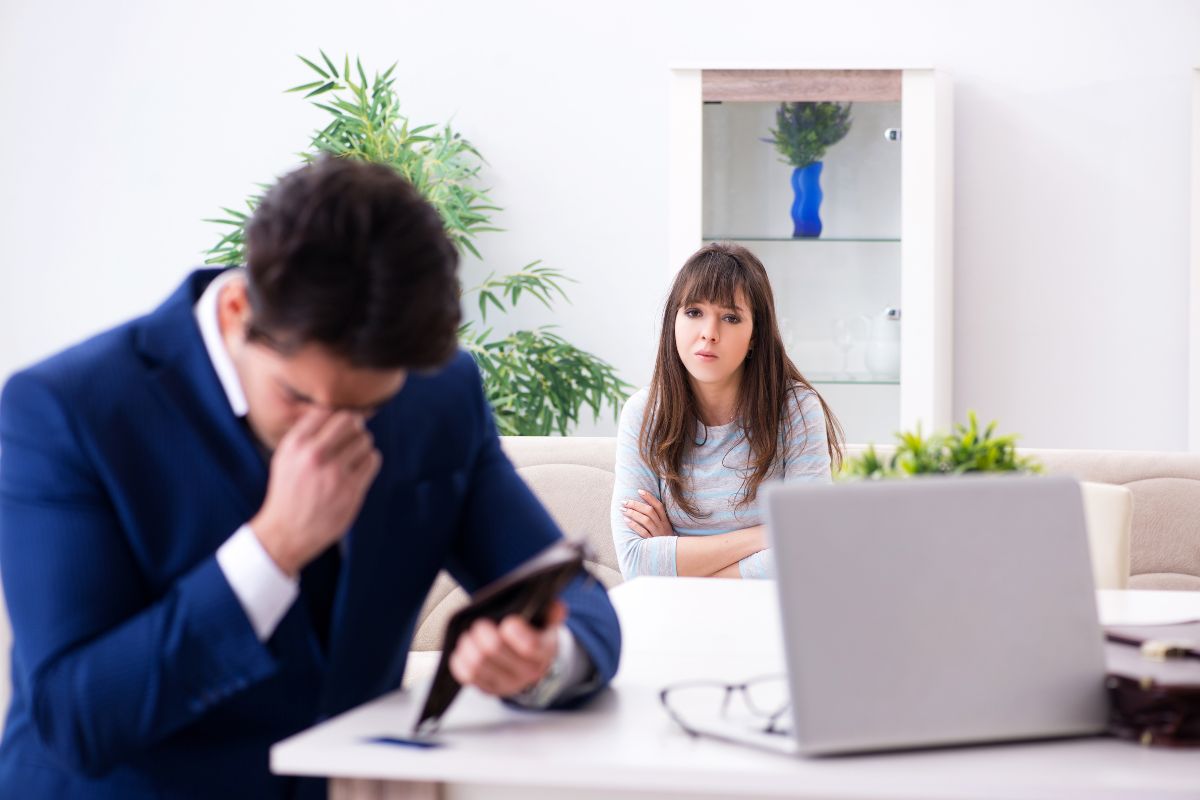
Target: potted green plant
803	132
536	381
965	449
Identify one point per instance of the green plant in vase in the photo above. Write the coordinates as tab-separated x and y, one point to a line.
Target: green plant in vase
536	381
965	449
803	132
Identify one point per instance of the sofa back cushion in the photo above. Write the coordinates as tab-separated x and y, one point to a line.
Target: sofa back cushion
1165	524
573	479
1165	489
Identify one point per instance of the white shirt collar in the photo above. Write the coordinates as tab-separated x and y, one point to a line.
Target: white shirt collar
210	331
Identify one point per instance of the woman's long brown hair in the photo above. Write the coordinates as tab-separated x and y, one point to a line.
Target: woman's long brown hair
714	274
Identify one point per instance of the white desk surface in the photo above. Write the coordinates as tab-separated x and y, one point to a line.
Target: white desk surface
680	628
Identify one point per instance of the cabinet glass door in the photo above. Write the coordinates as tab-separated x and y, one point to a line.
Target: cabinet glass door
837	294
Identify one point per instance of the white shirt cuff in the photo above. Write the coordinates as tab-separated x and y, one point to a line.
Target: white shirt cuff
571	668
571	663
264	590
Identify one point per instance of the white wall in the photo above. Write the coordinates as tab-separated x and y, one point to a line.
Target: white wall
124	124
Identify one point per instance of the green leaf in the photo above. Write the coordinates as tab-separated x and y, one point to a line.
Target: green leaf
317	69
485	298
324	88
304	87
332	69
469	245
361	75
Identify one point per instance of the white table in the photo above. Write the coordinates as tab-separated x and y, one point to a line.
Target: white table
624	746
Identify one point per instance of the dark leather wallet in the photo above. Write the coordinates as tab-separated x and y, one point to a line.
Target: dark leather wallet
1154	683
527	591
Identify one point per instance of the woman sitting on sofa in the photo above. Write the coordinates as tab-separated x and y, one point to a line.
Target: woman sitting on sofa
730	411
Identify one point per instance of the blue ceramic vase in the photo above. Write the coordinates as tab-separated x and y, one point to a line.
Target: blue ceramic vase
806	209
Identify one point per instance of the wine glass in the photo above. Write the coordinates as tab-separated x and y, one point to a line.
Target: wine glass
847	331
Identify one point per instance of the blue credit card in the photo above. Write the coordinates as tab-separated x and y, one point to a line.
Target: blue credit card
400	741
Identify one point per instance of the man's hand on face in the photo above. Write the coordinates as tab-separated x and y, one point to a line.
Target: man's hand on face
320	474
505	659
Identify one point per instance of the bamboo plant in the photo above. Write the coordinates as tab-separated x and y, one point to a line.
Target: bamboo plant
536	381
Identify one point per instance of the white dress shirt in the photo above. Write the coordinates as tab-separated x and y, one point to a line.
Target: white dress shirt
266	592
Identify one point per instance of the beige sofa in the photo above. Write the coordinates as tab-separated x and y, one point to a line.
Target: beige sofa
573	477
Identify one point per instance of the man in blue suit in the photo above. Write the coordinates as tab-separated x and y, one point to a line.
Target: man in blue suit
218	522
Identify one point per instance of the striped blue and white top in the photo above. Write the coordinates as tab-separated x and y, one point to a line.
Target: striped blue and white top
714	471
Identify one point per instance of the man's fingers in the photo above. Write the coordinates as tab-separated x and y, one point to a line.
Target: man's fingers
308	424
520	636
464	662
488	684
536	647
366	468
355	452
484	660
339	431
510	666
557	615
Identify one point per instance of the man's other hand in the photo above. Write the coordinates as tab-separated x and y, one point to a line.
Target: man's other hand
506	659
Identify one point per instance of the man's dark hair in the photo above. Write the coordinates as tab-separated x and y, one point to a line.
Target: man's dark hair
348	255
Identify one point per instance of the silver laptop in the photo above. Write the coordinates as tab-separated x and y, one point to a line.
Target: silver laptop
917	613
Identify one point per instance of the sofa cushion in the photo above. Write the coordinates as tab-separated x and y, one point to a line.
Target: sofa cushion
1166	517
1165	582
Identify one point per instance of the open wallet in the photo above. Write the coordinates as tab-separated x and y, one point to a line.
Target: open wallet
1154	683
526	591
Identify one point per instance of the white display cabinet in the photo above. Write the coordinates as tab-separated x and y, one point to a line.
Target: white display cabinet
886	238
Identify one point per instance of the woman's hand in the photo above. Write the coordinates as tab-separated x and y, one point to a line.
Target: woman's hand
647	517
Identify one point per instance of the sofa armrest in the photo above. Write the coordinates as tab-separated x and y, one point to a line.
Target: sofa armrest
1108	512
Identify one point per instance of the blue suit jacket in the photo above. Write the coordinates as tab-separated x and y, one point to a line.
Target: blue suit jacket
135	671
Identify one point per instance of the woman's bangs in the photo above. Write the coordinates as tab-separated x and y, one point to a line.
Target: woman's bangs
716	280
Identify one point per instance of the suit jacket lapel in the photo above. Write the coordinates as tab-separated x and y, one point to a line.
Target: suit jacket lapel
170	342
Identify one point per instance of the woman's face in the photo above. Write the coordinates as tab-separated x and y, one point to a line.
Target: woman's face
712	340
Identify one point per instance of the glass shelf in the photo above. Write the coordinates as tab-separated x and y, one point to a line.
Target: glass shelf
859	379
865	239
